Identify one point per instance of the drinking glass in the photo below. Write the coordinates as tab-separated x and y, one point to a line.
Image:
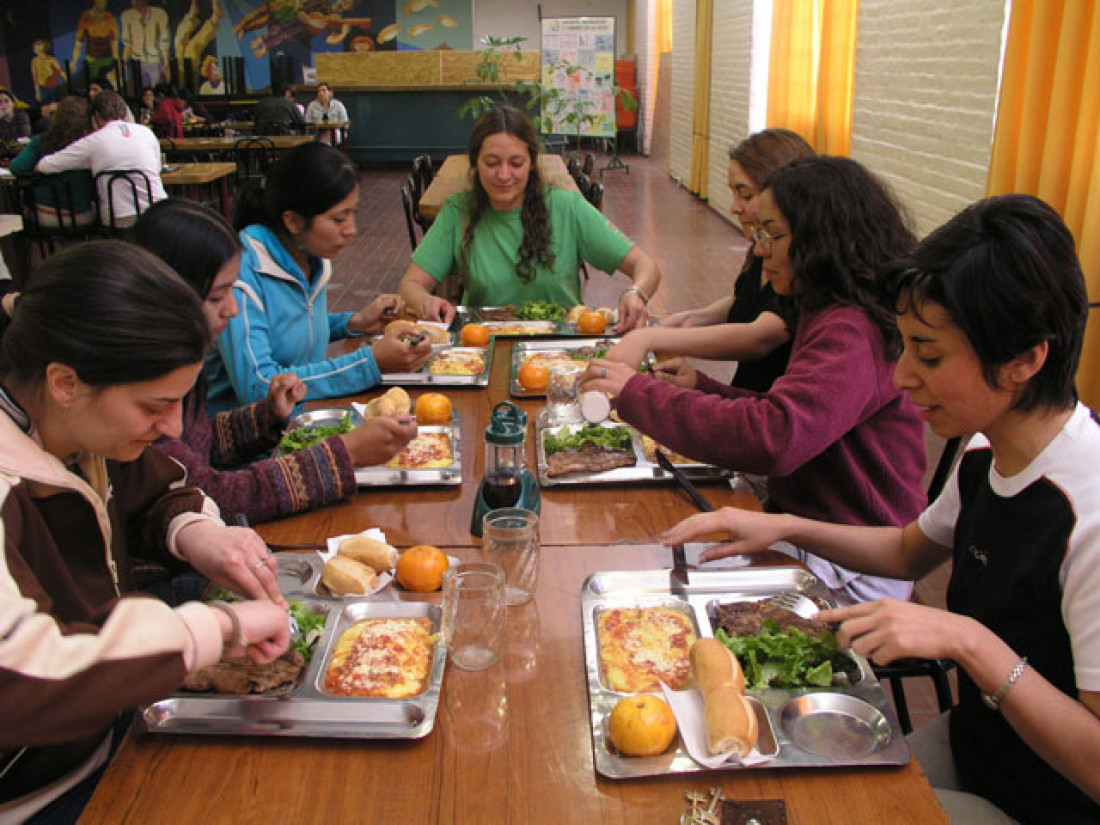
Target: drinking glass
562	405
473	614
510	539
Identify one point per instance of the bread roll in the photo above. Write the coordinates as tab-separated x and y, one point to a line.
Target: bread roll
731	722
714	666
374	554
437	334
402	404
380	406
401	323
343	576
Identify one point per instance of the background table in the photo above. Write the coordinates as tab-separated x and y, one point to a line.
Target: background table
192	176
454	176
218	145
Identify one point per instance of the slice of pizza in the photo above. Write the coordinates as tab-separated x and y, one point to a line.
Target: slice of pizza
382	658
427	451
640	647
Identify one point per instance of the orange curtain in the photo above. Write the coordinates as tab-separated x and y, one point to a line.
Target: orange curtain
1047	138
811	74
662	27
700	121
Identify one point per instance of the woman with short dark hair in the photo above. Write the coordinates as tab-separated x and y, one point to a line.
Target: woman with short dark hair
105	343
302	215
14	122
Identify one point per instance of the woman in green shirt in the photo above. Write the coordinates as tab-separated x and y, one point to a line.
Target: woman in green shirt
514	239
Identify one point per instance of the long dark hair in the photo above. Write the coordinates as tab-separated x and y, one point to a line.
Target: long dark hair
193	239
846	227
534	250
68	123
309	180
1006	273
110	310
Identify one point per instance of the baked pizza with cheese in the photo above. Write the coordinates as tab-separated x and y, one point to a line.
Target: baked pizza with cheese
428	451
457	362
382	659
642	646
522	327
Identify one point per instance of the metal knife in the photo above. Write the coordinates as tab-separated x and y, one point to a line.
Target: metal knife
700	502
678	577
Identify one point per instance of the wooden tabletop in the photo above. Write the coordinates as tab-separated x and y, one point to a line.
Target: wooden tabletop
192	174
512	743
454	176
10	224
225	144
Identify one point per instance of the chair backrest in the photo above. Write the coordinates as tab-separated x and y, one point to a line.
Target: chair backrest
589	163
406	202
416	191
253	156
423	171
595	194
131	182
583	183
573	167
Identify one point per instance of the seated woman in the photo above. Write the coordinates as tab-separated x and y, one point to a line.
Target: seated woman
69	123
747	326
80	497
512	239
992	308
832	435
327	109
201	246
291	230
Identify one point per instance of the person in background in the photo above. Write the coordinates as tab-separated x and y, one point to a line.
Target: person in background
992	308
102	84
746	326
146	39
46	72
167	112
147	104
14	123
277	115
97	31
201	246
288	93
290	232
53	204
327	109
514	239
80	496
114	144
193	109
835	439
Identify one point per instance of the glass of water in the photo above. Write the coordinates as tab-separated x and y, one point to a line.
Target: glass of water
474	614
562	405
510	539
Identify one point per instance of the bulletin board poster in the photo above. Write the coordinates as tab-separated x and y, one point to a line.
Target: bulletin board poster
588	44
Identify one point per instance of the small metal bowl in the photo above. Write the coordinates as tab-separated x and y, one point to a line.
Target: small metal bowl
835	725
324	418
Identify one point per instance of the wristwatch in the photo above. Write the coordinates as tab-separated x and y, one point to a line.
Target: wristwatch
642	295
993	700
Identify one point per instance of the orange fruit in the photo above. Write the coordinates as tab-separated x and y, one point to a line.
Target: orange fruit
642	725
474	335
591	323
533	376
433	408
421	568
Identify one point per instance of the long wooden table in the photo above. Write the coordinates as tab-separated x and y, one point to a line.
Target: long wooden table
192	145
191	176
454	176
512	743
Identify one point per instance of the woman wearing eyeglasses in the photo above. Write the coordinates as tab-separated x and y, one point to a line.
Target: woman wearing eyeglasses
745	326
834	437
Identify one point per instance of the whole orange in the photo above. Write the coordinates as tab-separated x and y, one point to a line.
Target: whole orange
421	568
642	725
474	335
533	376
433	408
591	323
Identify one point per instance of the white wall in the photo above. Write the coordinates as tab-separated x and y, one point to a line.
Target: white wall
730	70
683	89
520	18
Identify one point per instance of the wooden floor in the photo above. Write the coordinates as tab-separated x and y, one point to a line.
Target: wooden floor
698	251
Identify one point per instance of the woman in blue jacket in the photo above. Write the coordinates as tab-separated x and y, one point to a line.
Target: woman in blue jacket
302	215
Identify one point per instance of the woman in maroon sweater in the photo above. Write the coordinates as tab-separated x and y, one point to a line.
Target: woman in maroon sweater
202	247
836	440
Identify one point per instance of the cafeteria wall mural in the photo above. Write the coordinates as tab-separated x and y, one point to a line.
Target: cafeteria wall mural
46	42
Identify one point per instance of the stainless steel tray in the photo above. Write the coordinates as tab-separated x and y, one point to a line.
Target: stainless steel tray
306	711
382	476
859	723
643	470
523	350
545	329
423	377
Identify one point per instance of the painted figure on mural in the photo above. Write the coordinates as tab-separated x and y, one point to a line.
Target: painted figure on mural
46	72
299	20
212	81
97	31
192	39
145	39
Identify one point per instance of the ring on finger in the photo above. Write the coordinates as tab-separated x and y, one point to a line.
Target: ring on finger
603	372
261	563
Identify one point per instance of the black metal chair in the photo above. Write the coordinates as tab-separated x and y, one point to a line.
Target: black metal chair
50	217
131	181
406	202
595	194
412	183
589	163
253	156
423	171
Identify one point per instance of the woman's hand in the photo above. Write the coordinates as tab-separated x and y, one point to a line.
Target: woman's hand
606	376
394	353
677	371
266	626
284	393
888	630
748	531
682	320
633	311
631	348
377	314
377	440
232	557
438	309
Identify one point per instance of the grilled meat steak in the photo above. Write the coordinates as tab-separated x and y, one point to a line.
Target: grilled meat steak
747	619
501	313
242	675
590	458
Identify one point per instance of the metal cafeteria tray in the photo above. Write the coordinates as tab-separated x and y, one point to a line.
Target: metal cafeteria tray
643	470
306	710
383	476
523	350
842	725
423	376
534	329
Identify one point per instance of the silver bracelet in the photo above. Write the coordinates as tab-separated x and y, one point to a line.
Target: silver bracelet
642	295
993	700
239	639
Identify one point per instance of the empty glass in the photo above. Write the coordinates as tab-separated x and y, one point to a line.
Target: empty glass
474	614
510	539
561	394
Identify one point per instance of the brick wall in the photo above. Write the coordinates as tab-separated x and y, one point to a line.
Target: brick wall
683	88
731	64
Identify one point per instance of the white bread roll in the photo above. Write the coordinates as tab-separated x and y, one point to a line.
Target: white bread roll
400	400
437	334
731	722
374	554
380	406
714	666
343	576
401	323
575	313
